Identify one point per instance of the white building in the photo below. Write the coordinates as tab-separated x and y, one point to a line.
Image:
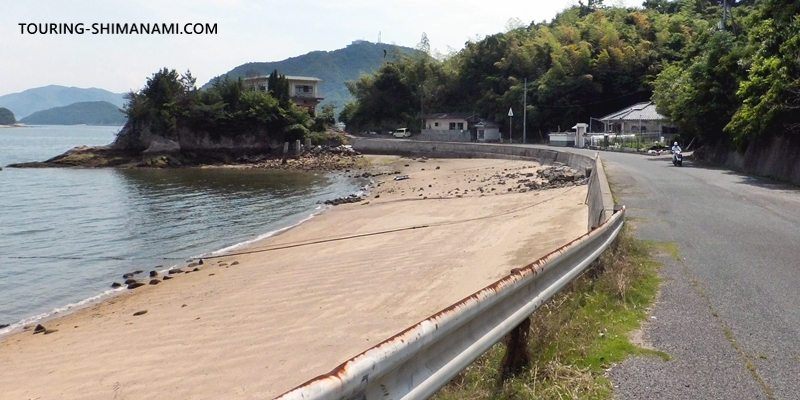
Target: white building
303	89
640	119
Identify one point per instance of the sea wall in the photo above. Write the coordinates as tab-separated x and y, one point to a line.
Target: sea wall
599	200
777	158
443	136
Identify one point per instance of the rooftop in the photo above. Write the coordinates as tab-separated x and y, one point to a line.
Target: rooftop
288	77
450	116
638	112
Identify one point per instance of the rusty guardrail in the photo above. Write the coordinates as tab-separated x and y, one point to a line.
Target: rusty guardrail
417	362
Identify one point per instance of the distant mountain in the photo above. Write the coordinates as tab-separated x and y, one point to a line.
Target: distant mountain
88	113
42	98
333	67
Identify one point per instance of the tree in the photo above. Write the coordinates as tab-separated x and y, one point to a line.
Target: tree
324	118
424	44
769	92
701	98
278	86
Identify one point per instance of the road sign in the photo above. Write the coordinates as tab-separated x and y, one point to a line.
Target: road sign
510	112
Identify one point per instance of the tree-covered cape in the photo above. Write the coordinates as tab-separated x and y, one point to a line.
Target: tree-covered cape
170	107
735	82
7	117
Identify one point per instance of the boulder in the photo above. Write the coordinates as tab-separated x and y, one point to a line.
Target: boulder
154	281
135	285
39	329
138	313
116	285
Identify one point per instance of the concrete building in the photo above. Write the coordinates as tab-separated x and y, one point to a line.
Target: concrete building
303	89
459	127
447	127
487	131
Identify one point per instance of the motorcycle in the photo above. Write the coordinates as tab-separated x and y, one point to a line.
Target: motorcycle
677	158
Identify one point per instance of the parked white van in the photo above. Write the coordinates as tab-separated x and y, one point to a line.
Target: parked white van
402	133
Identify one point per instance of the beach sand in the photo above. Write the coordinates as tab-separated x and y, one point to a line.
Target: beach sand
300	303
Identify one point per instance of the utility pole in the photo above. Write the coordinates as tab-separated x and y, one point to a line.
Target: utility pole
525	113
421	114
510	125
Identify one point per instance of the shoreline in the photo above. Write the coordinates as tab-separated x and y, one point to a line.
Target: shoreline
105	295
67	309
295	304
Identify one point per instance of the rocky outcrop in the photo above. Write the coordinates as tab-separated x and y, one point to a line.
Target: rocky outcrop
320	158
344	200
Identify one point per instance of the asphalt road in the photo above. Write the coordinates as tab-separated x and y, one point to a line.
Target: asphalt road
728	312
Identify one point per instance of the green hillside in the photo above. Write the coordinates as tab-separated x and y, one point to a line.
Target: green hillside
333	67
88	113
42	98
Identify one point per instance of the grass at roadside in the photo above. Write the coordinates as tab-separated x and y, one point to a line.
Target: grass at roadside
578	333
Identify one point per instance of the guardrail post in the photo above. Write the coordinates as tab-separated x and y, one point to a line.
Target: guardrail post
517	356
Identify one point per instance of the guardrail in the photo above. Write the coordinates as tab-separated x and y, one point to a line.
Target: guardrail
417	362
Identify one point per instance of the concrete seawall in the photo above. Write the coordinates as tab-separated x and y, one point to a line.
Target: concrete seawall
599	200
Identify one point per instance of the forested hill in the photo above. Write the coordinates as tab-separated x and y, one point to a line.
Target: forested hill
732	82
88	113
334	68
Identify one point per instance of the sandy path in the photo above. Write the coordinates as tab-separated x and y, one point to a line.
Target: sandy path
282	316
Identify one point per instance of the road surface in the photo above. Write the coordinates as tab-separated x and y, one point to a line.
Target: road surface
729	311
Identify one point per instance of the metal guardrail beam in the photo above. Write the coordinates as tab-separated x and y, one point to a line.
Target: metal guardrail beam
417	362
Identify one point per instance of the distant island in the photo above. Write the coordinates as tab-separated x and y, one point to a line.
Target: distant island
29	101
7	117
86	113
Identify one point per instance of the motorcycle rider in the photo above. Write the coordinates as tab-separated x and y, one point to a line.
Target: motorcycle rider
675	150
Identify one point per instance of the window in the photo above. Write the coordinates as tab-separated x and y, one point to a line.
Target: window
452	126
262	88
461	126
435	124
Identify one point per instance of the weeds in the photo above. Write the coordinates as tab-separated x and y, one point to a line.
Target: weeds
576	335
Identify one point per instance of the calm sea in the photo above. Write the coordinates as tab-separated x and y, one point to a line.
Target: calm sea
67	234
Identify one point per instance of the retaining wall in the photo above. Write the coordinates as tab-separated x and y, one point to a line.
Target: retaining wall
777	158
599	200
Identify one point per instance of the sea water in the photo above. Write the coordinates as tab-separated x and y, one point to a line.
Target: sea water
66	234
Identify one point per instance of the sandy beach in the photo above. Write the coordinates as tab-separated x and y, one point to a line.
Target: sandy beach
288	308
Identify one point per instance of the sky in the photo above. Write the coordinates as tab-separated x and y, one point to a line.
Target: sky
246	31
